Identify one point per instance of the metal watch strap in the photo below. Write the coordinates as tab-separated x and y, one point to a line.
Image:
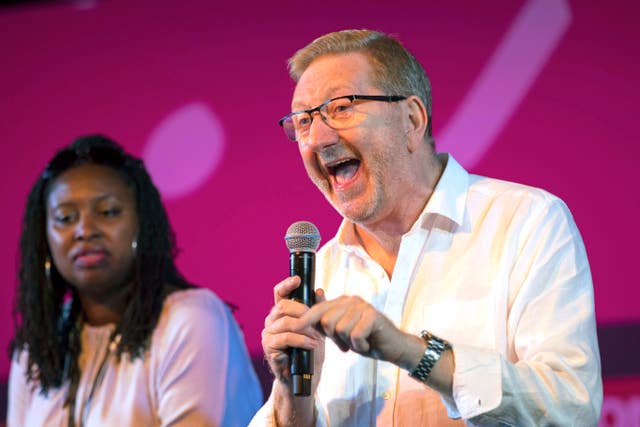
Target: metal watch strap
435	347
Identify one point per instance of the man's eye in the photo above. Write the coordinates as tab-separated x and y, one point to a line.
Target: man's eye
340	109
303	121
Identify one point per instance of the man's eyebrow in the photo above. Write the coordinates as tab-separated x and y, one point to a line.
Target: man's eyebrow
333	90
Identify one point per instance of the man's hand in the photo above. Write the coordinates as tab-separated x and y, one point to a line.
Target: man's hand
353	324
283	330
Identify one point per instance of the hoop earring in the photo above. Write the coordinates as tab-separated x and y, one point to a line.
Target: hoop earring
134	246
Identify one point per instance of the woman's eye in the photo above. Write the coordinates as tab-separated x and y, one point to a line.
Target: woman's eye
111	212
64	219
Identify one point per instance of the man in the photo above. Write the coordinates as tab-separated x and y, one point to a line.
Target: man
494	274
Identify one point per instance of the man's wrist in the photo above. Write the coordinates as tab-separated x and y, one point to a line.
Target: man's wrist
291	410
435	346
413	349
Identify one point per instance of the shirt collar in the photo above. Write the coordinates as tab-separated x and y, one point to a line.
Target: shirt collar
450	195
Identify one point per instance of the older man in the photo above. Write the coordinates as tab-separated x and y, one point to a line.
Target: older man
446	297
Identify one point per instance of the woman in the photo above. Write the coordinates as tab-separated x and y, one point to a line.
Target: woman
109	333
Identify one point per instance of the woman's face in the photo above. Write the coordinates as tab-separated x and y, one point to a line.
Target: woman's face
91	223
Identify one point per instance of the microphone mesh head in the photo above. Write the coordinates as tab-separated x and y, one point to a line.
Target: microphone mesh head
302	236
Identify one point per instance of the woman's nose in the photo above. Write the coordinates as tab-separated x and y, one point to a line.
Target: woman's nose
86	228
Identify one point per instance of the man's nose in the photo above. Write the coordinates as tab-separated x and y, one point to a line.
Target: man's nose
320	135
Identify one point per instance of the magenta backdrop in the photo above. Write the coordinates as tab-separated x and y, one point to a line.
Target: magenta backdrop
537	91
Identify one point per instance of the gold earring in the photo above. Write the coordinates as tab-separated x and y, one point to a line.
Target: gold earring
47	271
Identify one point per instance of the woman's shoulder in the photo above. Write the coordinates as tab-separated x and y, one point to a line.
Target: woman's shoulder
192	309
192	297
193	322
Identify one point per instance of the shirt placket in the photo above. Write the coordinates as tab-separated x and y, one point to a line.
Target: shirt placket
387	375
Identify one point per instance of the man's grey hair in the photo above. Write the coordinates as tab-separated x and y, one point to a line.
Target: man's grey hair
396	70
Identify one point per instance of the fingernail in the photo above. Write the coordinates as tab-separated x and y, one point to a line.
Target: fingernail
292	279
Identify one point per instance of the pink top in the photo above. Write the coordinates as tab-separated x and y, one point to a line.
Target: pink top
196	372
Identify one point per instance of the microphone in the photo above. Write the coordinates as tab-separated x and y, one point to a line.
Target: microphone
303	239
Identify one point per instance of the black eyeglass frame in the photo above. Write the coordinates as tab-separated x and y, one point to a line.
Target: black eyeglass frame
383	98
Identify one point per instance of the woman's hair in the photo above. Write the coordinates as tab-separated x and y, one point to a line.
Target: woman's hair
395	70
47	312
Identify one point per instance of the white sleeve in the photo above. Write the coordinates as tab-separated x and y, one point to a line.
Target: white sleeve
551	373
265	417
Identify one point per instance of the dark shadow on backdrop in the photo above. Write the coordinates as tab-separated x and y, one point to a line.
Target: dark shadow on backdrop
12	3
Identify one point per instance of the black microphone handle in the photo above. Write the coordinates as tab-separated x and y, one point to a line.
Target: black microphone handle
301	361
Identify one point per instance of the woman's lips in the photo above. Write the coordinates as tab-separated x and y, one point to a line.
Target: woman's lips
90	259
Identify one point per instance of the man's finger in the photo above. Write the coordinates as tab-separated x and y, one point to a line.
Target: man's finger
282	341
285	308
284	288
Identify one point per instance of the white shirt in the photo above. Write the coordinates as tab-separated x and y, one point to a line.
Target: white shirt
196	372
499	270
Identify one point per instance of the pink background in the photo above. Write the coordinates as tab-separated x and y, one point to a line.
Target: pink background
542	92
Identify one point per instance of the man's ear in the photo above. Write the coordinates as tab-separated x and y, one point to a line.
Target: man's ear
417	123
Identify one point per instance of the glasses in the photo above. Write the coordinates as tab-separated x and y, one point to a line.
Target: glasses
338	113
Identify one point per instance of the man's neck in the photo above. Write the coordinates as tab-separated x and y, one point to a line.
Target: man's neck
381	240
384	252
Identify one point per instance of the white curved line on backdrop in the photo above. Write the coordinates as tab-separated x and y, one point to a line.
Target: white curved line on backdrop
186	147
184	150
505	80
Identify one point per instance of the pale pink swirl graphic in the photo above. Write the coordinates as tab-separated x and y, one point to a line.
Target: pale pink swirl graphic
184	150
505	80
187	146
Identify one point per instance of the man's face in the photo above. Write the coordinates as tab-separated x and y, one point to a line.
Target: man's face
360	170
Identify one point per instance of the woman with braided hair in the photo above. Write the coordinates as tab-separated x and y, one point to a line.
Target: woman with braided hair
108	332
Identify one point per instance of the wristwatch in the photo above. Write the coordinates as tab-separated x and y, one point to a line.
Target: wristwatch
435	347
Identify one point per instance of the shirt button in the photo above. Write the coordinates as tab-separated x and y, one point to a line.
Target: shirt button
386	395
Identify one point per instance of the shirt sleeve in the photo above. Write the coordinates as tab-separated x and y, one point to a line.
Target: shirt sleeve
550	374
265	417
203	372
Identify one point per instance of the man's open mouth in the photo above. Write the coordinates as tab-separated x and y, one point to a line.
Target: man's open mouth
344	170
